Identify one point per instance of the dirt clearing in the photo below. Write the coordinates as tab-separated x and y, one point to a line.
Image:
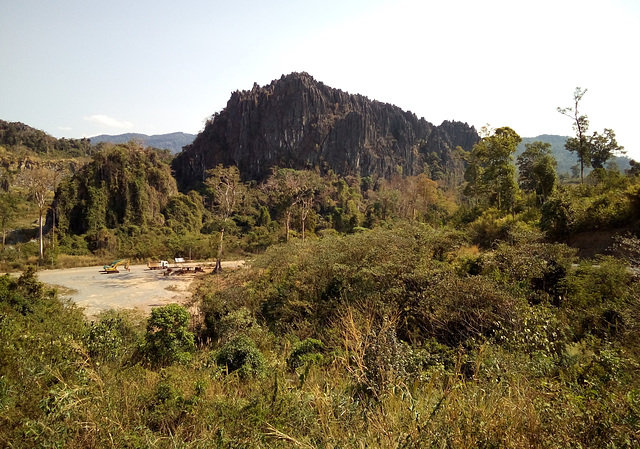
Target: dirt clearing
139	288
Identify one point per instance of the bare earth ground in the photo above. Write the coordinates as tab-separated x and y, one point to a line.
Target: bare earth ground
139	288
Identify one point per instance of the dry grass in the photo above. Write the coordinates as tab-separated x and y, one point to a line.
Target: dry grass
468	251
66	261
63	291
63	261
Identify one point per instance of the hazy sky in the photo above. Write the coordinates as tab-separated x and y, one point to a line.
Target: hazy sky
78	68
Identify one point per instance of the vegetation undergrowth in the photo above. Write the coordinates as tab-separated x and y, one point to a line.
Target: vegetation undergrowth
395	337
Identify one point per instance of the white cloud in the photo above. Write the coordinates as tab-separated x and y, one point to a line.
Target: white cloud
111	122
64	128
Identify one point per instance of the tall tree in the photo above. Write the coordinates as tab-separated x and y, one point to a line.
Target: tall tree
291	189
281	187
414	195
311	186
226	188
39	182
8	211
592	150
537	169
490	173
578	144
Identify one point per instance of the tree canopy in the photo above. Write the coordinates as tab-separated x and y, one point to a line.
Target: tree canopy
490	173
536	169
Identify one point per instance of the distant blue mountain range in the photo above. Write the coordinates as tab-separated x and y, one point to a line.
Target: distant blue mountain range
172	141
566	159
175	141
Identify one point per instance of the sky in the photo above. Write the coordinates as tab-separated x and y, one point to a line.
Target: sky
80	68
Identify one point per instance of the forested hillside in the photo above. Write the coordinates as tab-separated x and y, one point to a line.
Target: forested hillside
25	139
122	185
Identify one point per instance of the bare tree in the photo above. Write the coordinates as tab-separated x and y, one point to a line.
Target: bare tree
226	188
290	188
39	182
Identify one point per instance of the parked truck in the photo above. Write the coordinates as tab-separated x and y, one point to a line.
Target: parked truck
162	265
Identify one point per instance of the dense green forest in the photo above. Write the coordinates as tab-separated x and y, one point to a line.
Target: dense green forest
403	312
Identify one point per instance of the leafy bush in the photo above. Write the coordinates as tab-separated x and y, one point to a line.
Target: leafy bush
242	355
111	337
238	322
168	408
628	246
558	215
598	295
453	310
432	357
303	286
24	295
40	356
490	228
533	269
168	339
307	352
386	359
537	331
74	245
568	212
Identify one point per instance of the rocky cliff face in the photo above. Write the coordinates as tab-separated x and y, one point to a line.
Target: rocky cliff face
298	122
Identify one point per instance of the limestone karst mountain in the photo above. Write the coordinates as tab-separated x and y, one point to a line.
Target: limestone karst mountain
298	122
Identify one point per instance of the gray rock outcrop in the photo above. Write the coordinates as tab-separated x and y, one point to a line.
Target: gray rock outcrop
298	122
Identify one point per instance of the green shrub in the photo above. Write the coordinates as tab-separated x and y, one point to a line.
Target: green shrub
168	408
558	215
432	357
168	339
598	295
628	247
537	331
490	228
386	359
74	245
306	352
530	268
110	337
237	322
453	310
23	295
242	355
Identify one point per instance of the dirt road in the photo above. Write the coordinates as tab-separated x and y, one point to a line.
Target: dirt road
139	288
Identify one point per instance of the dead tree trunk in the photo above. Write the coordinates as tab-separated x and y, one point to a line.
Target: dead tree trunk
218	267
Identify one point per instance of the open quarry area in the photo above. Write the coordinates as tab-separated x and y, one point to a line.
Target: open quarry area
140	288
